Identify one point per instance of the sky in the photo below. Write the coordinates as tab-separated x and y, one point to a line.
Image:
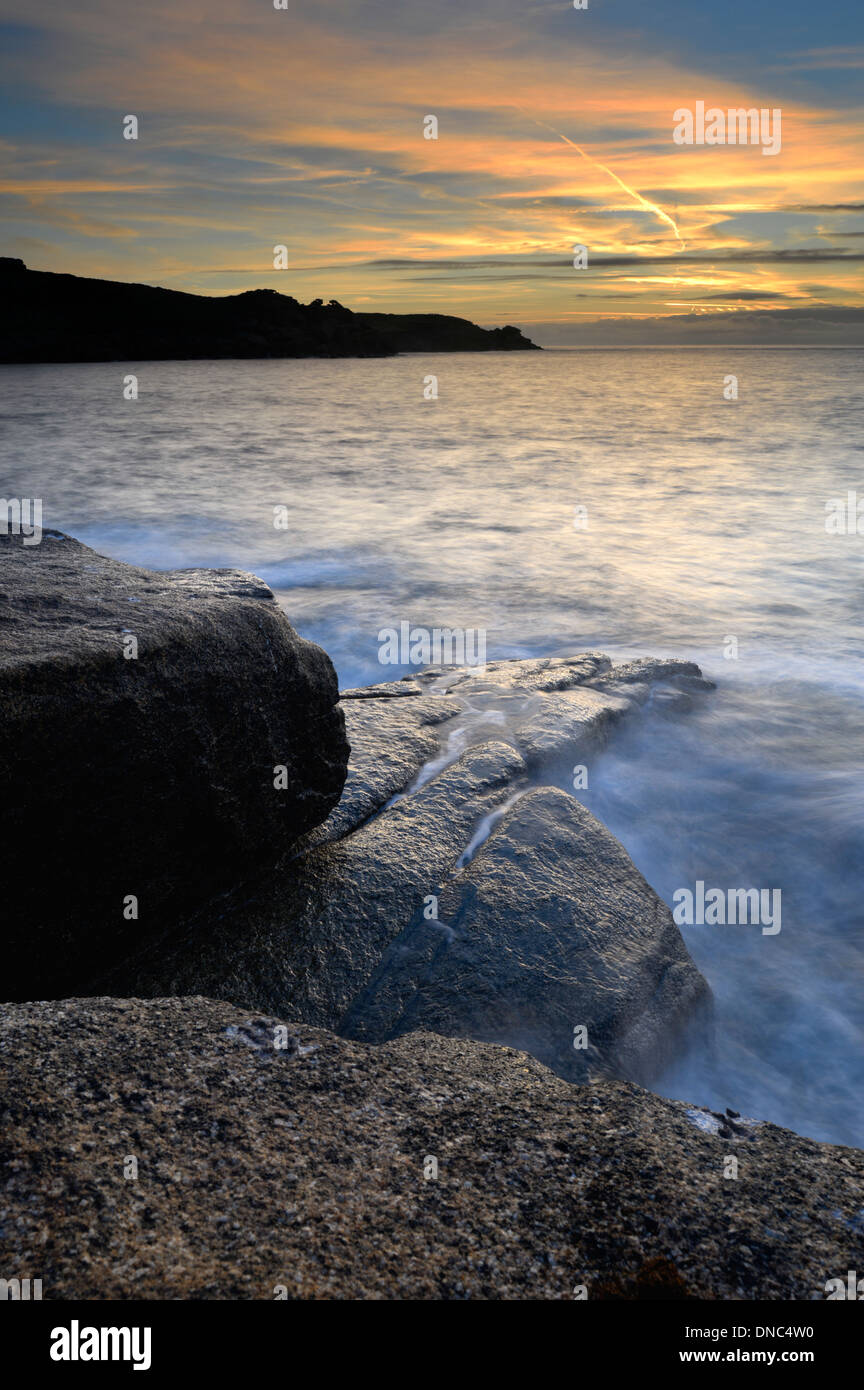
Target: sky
303	127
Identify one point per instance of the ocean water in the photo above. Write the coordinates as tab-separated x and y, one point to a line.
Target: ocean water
705	538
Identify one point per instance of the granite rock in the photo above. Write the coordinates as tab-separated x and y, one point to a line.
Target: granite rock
164	735
306	1170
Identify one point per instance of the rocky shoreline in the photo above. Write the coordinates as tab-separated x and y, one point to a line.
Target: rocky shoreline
379	1040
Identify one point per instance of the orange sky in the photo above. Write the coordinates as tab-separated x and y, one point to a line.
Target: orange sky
304	127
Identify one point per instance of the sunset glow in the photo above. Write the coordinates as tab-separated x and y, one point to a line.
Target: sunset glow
304	127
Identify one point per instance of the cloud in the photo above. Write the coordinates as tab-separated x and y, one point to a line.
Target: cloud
766	256
827	326
823	207
304	127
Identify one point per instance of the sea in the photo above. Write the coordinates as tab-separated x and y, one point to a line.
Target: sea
699	503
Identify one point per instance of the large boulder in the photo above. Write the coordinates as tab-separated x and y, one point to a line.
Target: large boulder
145	716
185	1149
549	940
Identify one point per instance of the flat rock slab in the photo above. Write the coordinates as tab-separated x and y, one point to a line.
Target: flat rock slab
391	740
549	709
145	716
299	1171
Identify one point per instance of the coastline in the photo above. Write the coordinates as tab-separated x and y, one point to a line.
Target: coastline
373	969
56	318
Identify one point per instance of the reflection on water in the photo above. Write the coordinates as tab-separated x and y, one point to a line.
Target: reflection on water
705	522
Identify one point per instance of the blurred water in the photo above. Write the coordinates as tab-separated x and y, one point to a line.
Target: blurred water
706	521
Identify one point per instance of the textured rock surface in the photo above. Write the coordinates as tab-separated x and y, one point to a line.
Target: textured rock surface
549	926
151	776
542	922
391	740
304	1168
307	940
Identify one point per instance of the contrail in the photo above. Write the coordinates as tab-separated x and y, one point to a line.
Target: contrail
643	202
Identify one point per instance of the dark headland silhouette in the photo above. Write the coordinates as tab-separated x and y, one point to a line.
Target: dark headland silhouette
50	317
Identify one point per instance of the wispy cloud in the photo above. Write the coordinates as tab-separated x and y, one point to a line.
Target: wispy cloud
305	128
